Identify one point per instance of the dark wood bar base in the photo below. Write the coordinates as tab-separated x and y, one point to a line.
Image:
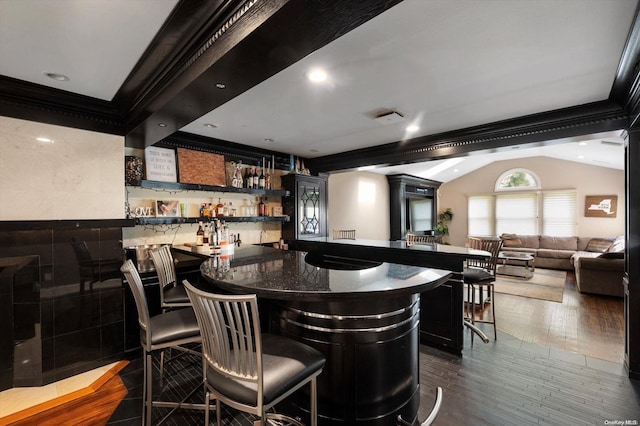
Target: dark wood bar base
363	316
371	374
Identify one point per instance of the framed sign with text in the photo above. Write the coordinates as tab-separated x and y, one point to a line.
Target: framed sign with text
161	164
600	206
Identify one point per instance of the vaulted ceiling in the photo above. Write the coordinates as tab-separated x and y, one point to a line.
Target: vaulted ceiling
475	76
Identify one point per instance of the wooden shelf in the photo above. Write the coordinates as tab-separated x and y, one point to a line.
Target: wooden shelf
173	186
176	220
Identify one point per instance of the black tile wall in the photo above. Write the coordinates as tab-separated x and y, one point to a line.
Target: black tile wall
70	310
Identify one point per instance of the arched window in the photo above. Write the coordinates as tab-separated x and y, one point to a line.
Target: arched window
517	179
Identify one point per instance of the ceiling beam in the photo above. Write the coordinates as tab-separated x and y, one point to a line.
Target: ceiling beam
538	129
259	40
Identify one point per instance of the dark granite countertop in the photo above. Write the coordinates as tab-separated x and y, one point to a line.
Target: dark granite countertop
280	274
445	249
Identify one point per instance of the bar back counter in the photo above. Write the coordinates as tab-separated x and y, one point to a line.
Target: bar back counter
362	314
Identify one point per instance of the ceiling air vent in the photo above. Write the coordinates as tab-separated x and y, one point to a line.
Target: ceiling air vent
389	117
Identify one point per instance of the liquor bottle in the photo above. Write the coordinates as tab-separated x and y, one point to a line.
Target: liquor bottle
200	234
250	179
225	209
256	178
261	180
219	208
205	235
261	208
267	177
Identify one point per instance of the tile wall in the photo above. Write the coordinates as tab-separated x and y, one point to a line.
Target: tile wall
62	308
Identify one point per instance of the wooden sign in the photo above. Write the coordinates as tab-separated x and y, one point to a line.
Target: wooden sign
202	168
600	206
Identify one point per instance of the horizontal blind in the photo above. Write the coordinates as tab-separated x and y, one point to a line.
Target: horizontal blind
480	215
559	213
517	213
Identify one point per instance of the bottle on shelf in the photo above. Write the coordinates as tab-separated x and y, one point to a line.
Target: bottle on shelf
256	178
232	210
219	208
200	234
209	210
225	209
202	207
205	235
267	177
249	178
261	208
261	179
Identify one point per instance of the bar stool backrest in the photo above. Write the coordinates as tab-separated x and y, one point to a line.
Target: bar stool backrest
492	245
135	284
422	239
344	234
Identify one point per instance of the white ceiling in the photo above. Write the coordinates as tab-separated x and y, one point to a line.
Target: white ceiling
442	64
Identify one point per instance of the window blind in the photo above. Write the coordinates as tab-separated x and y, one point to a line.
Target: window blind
517	213
559	213
480	215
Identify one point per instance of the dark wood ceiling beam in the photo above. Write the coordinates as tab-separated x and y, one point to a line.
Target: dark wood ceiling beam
268	37
538	129
626	87
185	30
34	102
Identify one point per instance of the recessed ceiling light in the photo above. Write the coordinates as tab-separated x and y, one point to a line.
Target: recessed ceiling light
317	75
56	76
313	150
162	125
580	156
582	143
221	86
210	125
42	139
268	140
412	128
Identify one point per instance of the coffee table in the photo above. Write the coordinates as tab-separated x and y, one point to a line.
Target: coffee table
520	264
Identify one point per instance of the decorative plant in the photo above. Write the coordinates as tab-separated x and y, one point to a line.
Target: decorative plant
444	217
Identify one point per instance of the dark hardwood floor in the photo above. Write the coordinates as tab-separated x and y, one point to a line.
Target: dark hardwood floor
552	364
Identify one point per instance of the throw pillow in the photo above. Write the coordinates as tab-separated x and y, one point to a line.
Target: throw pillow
612	255
617	246
599	245
512	242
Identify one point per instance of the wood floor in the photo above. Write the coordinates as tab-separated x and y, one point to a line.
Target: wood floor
586	324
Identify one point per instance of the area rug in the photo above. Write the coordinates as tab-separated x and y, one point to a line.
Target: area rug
546	284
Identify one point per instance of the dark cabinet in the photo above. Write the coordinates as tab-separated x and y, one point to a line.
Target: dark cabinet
412	205
306	205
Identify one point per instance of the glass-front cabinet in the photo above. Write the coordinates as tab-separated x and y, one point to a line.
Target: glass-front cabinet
306	205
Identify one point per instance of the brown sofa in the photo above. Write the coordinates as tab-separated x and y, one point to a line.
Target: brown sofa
598	262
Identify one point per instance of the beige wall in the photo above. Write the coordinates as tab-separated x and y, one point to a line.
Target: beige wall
78	176
360	201
553	174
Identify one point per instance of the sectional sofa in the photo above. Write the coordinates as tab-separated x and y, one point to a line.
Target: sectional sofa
598	262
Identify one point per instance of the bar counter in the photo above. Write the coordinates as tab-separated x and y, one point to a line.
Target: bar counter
441	313
363	315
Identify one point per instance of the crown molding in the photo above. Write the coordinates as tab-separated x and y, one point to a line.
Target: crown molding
542	128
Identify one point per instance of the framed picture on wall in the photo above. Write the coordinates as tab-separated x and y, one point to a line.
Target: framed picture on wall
601	206
167	208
